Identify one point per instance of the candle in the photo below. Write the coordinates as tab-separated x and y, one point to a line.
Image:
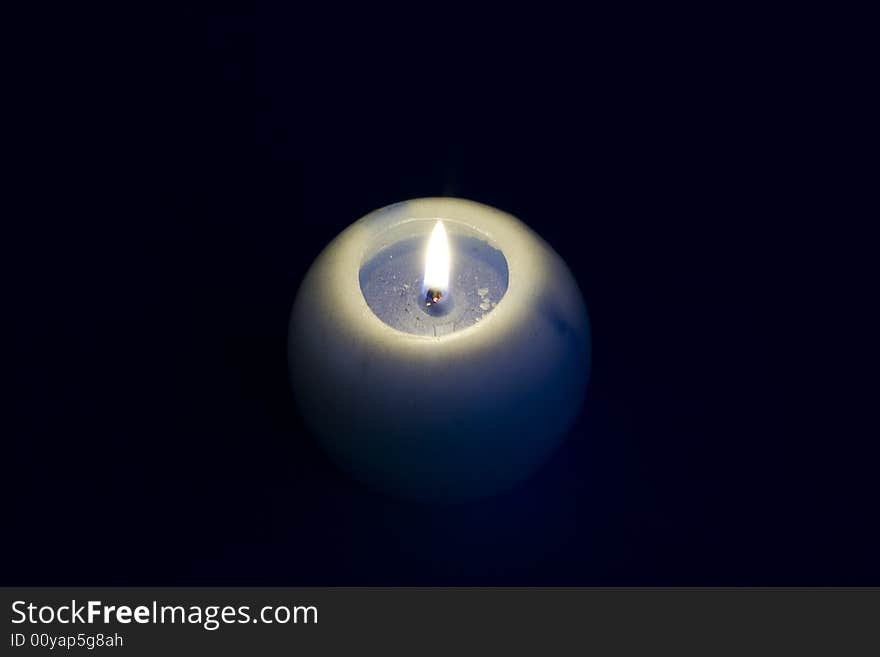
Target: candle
439	349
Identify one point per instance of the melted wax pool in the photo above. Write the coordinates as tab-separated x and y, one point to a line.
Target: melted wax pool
391	282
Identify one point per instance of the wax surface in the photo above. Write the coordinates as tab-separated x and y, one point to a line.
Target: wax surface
391	282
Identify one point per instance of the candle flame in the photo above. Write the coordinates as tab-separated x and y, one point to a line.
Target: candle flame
436	281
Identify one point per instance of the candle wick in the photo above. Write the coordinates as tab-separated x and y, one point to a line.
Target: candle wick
432	296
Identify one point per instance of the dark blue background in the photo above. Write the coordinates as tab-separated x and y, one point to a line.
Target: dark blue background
702	173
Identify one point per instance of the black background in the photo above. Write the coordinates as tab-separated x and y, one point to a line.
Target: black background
703	173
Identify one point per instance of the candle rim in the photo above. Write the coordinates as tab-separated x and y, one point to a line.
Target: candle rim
530	262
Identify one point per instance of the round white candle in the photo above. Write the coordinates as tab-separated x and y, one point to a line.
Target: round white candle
443	402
